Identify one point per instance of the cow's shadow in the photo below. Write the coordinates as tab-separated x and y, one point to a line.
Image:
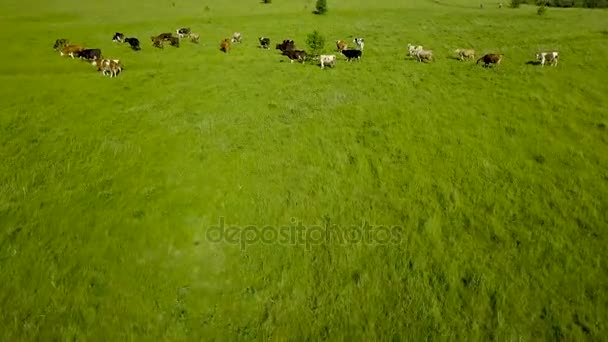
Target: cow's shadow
532	63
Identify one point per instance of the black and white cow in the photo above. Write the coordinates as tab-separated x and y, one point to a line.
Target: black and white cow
118	37
90	54
264	42
360	43
183	32
352	54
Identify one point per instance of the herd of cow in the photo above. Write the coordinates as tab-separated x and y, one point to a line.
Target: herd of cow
112	67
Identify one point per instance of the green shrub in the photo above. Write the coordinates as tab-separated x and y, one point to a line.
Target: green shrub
267	1
321	7
316	43
541	10
515	3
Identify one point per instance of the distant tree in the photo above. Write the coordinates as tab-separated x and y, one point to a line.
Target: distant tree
541	9
321	7
316	43
515	3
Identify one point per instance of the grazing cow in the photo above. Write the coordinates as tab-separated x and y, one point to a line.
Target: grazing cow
465	54
327	60
118	37
421	54
183	32
133	42
286	45
552	57
236	37
225	45
359	42
60	44
264	42
352	54
90	54
490	58
71	50
174	41
341	45
111	67
194	37
294	55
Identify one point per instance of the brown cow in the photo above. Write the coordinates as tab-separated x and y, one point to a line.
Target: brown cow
225	45
71	50
111	67
157	42
341	45
491	58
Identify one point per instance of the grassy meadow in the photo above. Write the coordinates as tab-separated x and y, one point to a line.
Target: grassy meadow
492	183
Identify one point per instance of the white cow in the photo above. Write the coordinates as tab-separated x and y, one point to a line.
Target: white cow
327	60
236	37
412	49
552	57
423	55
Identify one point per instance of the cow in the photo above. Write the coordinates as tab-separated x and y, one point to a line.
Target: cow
111	67
341	45
60	44
194	37
465	54
286	45
157	42
552	57
490	58
163	36
412	49
183	32
133	42
327	60
294	55
118	37
422	54
264	42
90	54
236	37
225	45
359	42
71	50
174	41
352	54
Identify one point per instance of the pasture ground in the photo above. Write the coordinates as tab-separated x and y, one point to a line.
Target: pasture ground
493	183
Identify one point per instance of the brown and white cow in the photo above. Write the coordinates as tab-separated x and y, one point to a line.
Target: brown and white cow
341	45
71	50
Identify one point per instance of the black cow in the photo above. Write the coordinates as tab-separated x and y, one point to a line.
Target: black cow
264	42
286	45
134	42
295	55
90	54
352	54
118	37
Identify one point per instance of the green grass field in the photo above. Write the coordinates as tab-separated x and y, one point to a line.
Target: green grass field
490	184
